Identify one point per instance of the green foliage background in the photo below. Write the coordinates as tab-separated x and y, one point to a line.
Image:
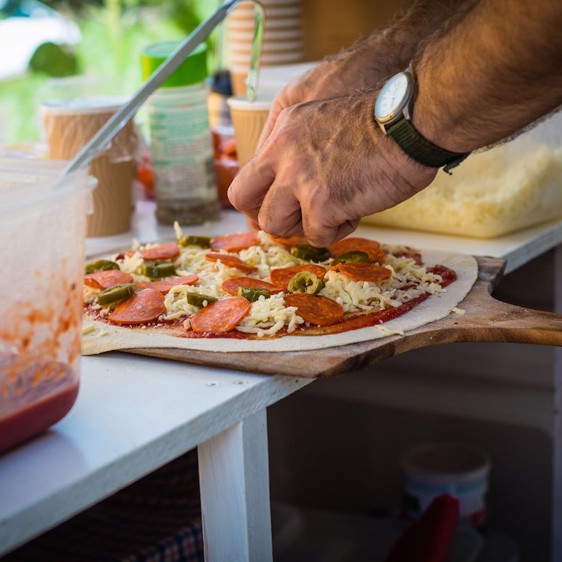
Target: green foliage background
114	32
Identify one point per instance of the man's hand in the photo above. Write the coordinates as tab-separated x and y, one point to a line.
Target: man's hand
370	60
325	165
331	78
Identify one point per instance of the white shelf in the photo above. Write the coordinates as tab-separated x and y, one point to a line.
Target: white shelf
341	537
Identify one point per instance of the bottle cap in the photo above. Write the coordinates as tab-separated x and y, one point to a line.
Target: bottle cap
221	83
192	70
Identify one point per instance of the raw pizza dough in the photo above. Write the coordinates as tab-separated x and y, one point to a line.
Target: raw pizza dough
100	337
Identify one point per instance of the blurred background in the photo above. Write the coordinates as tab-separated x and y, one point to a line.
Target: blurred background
59	38
104	38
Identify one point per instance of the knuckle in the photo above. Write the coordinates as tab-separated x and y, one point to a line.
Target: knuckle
279	216
287	134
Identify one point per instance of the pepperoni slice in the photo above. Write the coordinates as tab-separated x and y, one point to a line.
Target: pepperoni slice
168	251
165	285
282	275
364	272
231	285
143	307
220	316
290	241
371	247
235	242
107	279
231	261
315	309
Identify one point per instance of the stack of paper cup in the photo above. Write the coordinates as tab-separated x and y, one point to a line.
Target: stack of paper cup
282	41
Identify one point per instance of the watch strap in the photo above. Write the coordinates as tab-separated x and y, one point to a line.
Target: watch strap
417	147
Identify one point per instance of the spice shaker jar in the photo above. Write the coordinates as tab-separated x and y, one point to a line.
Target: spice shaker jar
180	138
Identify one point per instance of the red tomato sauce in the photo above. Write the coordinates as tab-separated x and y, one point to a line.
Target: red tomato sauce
42	411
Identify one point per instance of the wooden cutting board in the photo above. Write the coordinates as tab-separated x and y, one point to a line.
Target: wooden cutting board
485	320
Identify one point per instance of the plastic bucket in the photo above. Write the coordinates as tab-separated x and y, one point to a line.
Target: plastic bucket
435	469
42	248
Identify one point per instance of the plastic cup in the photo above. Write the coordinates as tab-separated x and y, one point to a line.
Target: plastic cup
248	119
240	63
271	78
42	246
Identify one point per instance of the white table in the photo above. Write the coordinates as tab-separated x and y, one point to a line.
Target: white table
134	414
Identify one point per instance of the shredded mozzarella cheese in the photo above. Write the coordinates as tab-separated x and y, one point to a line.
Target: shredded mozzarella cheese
133	265
89	294
268	316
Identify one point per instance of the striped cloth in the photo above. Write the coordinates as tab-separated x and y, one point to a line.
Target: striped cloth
157	519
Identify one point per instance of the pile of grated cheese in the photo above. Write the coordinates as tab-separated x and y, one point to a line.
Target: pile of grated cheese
510	187
268	316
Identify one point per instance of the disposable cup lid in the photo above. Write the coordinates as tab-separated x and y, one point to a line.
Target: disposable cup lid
193	70
83	105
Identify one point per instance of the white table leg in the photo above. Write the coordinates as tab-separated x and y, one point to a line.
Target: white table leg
234	477
557	421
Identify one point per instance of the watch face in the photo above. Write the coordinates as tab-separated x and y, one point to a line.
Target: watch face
393	97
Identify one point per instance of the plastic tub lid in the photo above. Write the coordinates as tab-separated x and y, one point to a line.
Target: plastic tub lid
193	70
449	462
24	183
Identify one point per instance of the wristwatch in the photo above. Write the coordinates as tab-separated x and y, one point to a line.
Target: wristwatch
393	113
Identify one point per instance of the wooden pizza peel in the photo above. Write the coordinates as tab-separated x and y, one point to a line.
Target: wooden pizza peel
485	319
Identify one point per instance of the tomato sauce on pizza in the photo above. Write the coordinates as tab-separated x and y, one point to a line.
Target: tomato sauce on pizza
253	286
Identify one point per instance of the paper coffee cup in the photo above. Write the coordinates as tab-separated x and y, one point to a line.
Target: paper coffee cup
246	37
240	49
68	125
279	24
248	119
246	9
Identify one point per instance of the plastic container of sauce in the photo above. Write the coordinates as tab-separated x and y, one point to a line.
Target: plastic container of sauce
42	248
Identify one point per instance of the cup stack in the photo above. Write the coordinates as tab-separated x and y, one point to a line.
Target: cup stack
282	41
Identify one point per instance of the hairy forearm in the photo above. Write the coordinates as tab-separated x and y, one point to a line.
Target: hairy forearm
370	60
390	49
491	75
